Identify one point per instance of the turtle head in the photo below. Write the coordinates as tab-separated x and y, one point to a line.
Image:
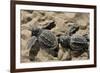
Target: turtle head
36	32
64	41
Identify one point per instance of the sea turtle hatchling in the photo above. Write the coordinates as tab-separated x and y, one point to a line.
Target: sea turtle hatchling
44	38
70	40
75	43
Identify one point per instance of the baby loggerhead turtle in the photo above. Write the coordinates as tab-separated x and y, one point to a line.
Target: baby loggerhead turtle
75	43
43	35
44	39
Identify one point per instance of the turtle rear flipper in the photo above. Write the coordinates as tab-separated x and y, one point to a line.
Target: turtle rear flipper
51	24
72	28
31	42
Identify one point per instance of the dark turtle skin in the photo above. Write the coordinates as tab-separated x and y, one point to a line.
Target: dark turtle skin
78	43
72	28
31	42
75	42
72	41
64	41
51	24
43	35
33	51
42	38
47	40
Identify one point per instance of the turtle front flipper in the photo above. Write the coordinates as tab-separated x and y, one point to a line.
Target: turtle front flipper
31	42
34	48
34	51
